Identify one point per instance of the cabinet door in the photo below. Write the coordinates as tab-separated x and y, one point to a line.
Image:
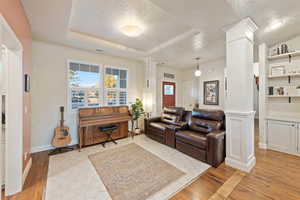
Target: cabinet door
281	136
298	140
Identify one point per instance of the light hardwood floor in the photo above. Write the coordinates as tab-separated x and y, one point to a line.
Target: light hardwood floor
275	176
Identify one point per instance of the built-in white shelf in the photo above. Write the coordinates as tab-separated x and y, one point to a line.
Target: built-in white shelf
283	96
286	55
285	118
284	75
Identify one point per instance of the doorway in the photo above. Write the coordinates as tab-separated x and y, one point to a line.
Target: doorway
11	105
169	94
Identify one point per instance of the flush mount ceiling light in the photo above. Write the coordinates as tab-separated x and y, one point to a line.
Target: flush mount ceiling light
131	30
198	71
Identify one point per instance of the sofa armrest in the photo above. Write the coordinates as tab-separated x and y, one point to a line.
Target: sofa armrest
153	119
216	148
178	126
148	121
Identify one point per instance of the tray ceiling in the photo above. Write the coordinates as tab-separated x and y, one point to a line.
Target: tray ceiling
175	32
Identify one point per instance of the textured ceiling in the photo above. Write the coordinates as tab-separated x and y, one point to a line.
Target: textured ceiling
176	31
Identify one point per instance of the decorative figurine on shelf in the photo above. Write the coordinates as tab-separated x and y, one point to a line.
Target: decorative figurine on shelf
298	90
136	111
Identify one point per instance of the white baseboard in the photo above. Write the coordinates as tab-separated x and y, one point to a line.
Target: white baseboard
26	170
47	147
262	145
247	167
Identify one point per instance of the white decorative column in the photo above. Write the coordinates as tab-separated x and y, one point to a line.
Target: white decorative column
150	86
263	63
239	102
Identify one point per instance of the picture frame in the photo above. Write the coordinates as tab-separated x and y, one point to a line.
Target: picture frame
211	92
27	83
278	70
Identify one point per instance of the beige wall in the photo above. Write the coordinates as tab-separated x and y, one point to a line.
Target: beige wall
210	71
14	14
49	87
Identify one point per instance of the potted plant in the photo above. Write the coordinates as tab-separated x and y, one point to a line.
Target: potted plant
137	111
298	90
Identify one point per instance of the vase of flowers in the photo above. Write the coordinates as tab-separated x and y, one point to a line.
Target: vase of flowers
136	111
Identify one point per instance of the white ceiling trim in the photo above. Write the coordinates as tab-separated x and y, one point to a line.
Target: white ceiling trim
102	43
174	40
76	35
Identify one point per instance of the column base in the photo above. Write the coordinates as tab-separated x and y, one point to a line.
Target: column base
240	153
247	167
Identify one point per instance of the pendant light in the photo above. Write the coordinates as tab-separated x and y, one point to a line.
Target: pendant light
198	71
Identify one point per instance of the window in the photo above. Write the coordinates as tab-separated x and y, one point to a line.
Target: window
84	85
115	83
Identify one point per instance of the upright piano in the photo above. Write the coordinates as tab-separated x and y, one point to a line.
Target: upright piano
90	119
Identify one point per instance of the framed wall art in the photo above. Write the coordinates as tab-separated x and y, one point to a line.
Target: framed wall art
211	92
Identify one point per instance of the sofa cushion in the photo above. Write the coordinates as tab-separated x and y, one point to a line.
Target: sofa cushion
191	137
169	118
204	126
172	115
158	125
215	115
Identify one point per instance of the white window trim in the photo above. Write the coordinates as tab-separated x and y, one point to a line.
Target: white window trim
69	89
115	89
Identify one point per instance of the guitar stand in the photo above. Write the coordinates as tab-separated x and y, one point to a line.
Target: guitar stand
60	150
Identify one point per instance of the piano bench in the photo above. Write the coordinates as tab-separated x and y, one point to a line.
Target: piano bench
108	130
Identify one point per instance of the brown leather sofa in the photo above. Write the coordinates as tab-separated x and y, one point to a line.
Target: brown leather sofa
200	134
156	127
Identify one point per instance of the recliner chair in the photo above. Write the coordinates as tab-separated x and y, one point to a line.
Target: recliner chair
204	136
155	128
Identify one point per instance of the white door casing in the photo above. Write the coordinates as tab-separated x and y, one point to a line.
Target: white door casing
14	112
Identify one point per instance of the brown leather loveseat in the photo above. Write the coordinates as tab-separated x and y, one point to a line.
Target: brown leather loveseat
200	133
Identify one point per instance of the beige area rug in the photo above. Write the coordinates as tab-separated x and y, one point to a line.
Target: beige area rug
72	176
132	173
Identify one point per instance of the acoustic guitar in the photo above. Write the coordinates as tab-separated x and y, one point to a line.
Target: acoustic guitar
62	137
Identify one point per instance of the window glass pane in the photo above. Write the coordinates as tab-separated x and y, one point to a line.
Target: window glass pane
123	98
115	72
94	68
78	99
169	90
93	98
110	81
85	68
108	71
123	74
74	66
74	79
84	76
89	79
111	98
123	84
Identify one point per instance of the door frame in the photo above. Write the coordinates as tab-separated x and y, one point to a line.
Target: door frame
15	106
161	93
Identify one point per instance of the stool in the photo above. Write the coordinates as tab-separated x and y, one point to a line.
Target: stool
108	130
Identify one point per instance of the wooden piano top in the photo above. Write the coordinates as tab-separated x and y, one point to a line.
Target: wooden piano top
103	115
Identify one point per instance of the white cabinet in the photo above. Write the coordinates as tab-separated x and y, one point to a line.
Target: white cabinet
283	136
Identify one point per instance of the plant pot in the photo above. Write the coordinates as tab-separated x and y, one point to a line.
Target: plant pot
137	131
